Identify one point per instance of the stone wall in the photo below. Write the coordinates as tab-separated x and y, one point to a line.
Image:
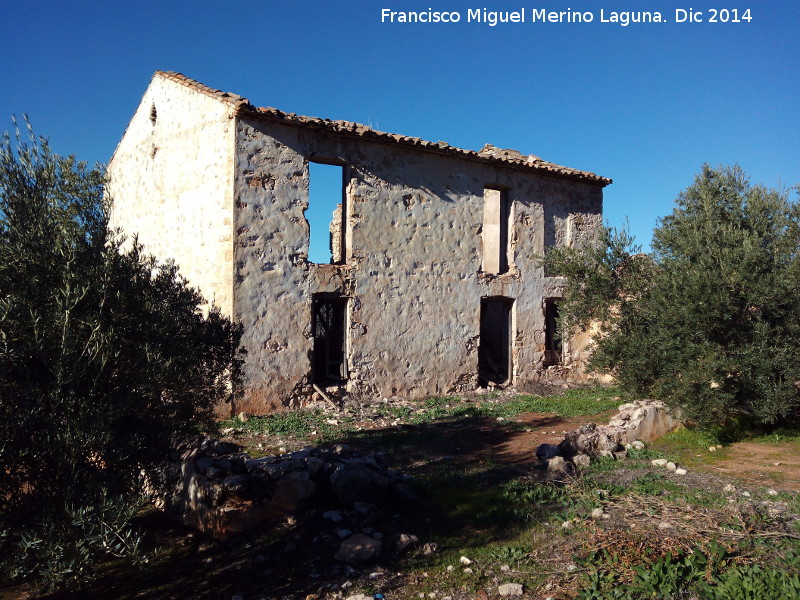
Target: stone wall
414	274
171	179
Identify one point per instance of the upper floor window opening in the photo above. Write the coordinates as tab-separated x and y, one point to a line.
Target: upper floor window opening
497	228
327	211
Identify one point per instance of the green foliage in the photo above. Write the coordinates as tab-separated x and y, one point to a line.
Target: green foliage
510	554
574	403
105	356
754	582
707	574
710	321
600	277
668	576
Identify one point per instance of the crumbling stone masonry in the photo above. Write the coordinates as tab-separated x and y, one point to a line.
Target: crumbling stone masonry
433	285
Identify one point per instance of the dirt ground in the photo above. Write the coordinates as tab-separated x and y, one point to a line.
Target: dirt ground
497	449
774	465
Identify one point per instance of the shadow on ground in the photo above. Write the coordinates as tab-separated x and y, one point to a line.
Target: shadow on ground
459	469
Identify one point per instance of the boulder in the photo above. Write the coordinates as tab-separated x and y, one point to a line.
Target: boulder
357	481
560	468
402	543
358	548
510	589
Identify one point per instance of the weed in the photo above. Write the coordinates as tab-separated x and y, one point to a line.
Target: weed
643	454
510	554
651	484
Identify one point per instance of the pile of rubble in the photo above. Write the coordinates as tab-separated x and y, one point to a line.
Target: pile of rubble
635	423
217	489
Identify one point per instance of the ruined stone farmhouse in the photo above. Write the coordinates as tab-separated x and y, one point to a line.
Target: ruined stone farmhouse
432	285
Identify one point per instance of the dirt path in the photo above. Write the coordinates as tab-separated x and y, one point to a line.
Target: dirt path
768	465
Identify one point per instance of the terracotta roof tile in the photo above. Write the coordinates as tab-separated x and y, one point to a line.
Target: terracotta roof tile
489	153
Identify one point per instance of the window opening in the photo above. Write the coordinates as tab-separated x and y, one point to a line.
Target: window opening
326	213
496	230
494	348
553	347
330	343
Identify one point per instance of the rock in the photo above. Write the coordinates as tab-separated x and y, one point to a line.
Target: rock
344	533
314	465
203	463
665	525
465	561
659	462
712	448
746	494
224	495
358	548
547	451
597	513
214	472
671	466
359	597
405	493
402	542
356	481
729	488
510	589
581	460
218	448
680	471
293	490
772	492
637	445
559	468
238	484
430	548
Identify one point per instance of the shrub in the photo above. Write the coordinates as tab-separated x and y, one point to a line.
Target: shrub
105	356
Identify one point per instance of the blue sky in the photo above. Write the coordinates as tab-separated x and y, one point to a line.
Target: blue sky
645	104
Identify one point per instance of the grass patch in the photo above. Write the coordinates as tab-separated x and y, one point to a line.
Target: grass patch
297	423
778	436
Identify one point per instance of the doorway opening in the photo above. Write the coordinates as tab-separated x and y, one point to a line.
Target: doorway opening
329	361
494	348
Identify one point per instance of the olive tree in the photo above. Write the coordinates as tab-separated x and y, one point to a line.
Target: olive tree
710	320
106	355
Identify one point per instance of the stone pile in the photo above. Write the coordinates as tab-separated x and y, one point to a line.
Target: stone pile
635	423
219	490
